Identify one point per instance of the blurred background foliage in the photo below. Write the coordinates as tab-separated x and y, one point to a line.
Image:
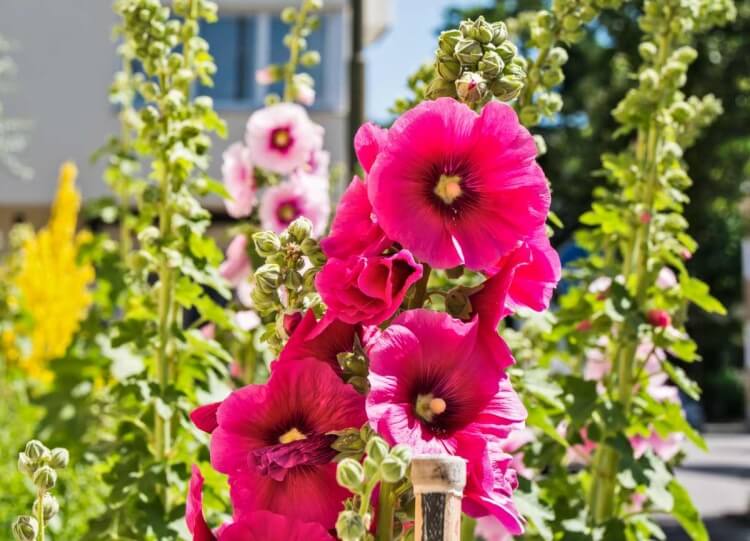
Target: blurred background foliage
596	78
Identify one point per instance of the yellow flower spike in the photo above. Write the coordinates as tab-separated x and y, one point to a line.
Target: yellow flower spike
53	285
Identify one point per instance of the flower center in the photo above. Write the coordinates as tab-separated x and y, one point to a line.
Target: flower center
281	139
448	188
291	436
287	212
429	406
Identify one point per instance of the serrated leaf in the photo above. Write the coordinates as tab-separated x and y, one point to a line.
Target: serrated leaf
698	293
685	512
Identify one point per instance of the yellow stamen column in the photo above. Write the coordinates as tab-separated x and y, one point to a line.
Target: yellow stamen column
438	482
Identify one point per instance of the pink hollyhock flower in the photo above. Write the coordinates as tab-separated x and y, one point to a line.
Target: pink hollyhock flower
513	445
664	447
247	320
264	76
659	318
580	453
257	526
366	290
317	163
355	230
457	188
285	202
237	171
236	266
305	95
281	137
600	285
318	340
490	529
274	442
666	279
368	141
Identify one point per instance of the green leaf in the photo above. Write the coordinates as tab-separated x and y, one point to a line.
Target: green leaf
681	379
535	512
686	514
538	418
697	292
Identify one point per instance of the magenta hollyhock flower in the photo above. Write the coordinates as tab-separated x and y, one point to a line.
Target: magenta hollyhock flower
236	266
355	230
366	290
318	340
368	141
285	202
434	385
237	172
281	137
274	442
454	187
256	526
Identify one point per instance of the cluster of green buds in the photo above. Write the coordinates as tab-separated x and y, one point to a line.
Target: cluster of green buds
297	86
355	367
285	284
40	465
476	62
380	465
684	18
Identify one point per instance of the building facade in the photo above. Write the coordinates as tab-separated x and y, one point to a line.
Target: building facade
66	61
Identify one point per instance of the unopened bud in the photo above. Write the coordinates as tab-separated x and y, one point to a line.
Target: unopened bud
288	15
499	33
649	79
349	441
59	458
557	56
45	477
530	115
506	88
25	464
681	111
402	452
471	88
300	229
552	77
377	449
267	243
448	68
371	467
447	41
25	528
440	88
491	65
310	58
350	474
468	52
392	470
293	280
647	50
36	450
685	54
50	507
268	277
350	526
507	50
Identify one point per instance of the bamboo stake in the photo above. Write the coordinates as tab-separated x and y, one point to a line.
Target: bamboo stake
438	488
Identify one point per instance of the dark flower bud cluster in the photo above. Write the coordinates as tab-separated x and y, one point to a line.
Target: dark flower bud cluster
477	62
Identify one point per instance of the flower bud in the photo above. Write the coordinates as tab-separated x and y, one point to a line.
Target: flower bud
471	87
440	88
267	243
309	246
25	464
371	468
685	54
530	115
392	470
552	77
541	145
649	79
36	450
350	527
300	229
499	33
288	15
293	280
59	458
571	23
491	65
468	52
25	528
507	50
50	507
349	441
350	474
659	318
647	50
557	56
268	277
377	449
447	41
401	452
448	68
45	478
506	88
310	58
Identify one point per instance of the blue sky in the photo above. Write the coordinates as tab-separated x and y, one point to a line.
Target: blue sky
409	42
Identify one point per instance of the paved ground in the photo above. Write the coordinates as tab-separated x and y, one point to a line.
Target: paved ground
719	482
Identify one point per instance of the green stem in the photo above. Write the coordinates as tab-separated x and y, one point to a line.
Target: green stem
40	514
386	507
290	68
468	526
420	290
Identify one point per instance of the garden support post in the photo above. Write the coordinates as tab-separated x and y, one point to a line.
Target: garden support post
438	488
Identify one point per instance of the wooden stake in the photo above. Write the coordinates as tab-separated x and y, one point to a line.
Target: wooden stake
438	488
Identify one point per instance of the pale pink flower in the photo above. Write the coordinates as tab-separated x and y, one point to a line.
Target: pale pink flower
664	447
237	172
285	202
491	529
236	266
264	76
281	137
305	95
666	279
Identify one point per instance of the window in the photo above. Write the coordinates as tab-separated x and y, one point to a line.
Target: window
241	44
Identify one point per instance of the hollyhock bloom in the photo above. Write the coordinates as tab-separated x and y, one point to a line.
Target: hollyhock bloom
237	172
257	526
264	76
600	285
454	187
513	444
368	141
305	95
247	320
236	266
580	453
281	137
490	529
664	447
659	318
273	442
355	230
666	278
366	290
285	202
317	163
318	340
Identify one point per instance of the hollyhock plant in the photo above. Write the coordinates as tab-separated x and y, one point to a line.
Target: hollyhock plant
236	267
239	179
281	137
274	442
366	290
470	182
284	203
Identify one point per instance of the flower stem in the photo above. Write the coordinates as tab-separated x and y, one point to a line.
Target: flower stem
386	507
468	526
420	290
40	514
